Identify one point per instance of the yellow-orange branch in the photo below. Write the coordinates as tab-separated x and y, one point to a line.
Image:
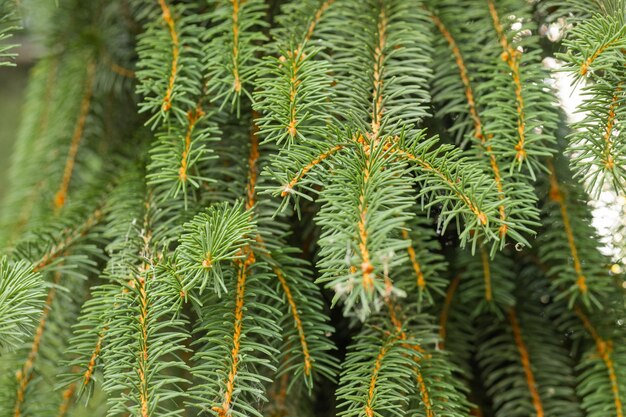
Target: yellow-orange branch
421	282
473	112
120	70
24	375
371	393
367	268
223	410
480	215
511	56
379	59
298	322
557	196
399	328
235	17
171	26
297	56
143	354
604	348
445	311
192	118
65	403
94	357
308	167
428	405
87	375
316	19
250	201
253	160
609	162
525	358
395	321
57	249
584	68
61	195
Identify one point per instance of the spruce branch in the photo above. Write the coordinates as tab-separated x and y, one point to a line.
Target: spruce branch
231	48
568	234
171	35
611	355
519	193
9	22
21	299
211	239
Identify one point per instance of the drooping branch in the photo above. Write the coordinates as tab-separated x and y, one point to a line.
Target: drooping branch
61	195
557	196
512	58
604	348
525	359
171	26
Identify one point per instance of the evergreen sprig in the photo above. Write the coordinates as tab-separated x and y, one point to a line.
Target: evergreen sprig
210	240
311	208
21	301
9	22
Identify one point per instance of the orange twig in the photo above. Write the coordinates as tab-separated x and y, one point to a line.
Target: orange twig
253	161
235	18
397	324
371	393
366	265
445	311
94	357
24	375
609	162
428	405
379	58
525	358
193	116
69	391
305	170
120	70
296	59
316	19
296	317
142	365
604	348
297	56
421	282
67	397
142	369
62	246
460	63
584	68
557	196
511	57
224	409
169	20
61	195
395	321
473	112
482	217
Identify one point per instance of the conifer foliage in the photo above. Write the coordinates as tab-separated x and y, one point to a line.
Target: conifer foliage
350	208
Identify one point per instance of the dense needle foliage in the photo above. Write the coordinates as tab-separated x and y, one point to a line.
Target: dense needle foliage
349	208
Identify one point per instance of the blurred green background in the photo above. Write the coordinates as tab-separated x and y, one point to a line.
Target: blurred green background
12	90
